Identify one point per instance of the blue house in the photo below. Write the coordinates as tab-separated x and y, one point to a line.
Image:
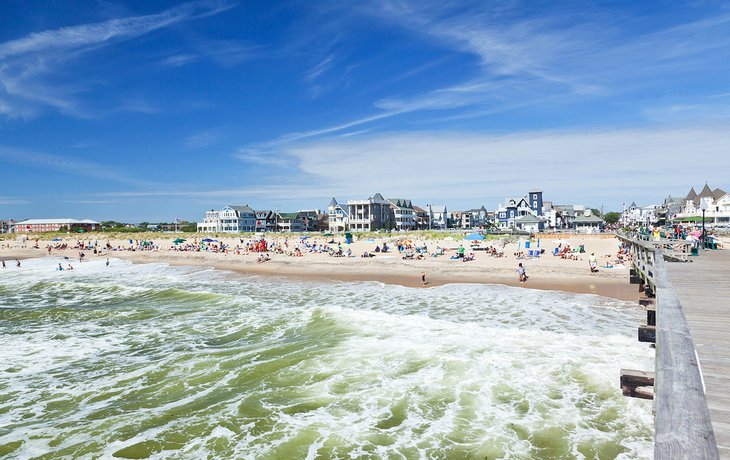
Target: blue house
513	208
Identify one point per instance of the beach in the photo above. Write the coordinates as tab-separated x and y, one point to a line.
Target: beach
546	272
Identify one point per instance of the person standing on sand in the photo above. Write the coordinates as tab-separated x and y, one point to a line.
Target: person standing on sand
3	264
17	263
593	262
107	262
521	273
423	279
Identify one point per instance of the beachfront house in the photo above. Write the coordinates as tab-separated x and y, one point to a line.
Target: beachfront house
290	222
338	217
716	204
528	223
512	208
55	225
422	218
635	215
471	218
310	219
588	223
373	213
266	221
229	219
403	214
438	216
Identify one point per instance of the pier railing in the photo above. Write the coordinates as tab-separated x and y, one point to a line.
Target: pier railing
682	427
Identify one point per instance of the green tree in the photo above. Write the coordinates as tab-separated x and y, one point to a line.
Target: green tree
612	217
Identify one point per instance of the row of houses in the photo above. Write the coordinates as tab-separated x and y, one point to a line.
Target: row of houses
240	219
715	203
528	213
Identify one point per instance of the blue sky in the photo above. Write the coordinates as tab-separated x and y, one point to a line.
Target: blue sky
143	110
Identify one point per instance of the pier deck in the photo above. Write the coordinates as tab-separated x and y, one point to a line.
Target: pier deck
703	288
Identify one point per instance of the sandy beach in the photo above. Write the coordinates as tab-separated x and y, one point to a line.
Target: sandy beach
545	272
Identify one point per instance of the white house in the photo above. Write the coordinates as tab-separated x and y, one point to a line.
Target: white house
230	219
716	204
403	213
338	217
438	216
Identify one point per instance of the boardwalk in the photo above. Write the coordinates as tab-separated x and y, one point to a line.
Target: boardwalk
703	288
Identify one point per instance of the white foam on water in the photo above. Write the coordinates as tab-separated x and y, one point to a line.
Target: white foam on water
337	369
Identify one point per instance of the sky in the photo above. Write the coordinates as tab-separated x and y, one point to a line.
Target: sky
160	110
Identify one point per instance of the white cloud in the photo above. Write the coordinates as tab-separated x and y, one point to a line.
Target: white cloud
30	62
581	166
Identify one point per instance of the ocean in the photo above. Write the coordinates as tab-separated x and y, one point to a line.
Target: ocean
155	361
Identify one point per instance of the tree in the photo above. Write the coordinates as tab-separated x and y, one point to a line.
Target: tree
612	217
595	212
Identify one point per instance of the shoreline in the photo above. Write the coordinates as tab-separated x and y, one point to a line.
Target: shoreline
613	287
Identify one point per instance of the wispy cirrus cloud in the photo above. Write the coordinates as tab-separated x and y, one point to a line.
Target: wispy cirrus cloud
68	165
32	66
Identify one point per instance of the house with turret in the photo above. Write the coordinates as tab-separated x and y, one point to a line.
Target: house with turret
513	208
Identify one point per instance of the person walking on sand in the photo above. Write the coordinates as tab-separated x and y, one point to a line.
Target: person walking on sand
107	262
521	273
592	262
3	264
17	263
423	279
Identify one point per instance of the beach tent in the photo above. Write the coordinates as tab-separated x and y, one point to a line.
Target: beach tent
474	237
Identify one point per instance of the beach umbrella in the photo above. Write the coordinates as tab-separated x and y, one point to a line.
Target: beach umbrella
178	240
56	239
474	237
304	237
328	234
207	240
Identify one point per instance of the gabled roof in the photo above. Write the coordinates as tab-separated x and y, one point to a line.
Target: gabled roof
401	203
333	202
587	220
528	219
718	193
244	208
378	197
692	195
419	209
289	215
633	204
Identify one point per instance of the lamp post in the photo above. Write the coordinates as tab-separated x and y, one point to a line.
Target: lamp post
703	206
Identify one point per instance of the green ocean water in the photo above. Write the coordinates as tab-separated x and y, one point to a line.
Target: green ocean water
151	361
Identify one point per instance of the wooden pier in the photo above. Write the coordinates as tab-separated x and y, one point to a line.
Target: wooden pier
703	288
683	427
